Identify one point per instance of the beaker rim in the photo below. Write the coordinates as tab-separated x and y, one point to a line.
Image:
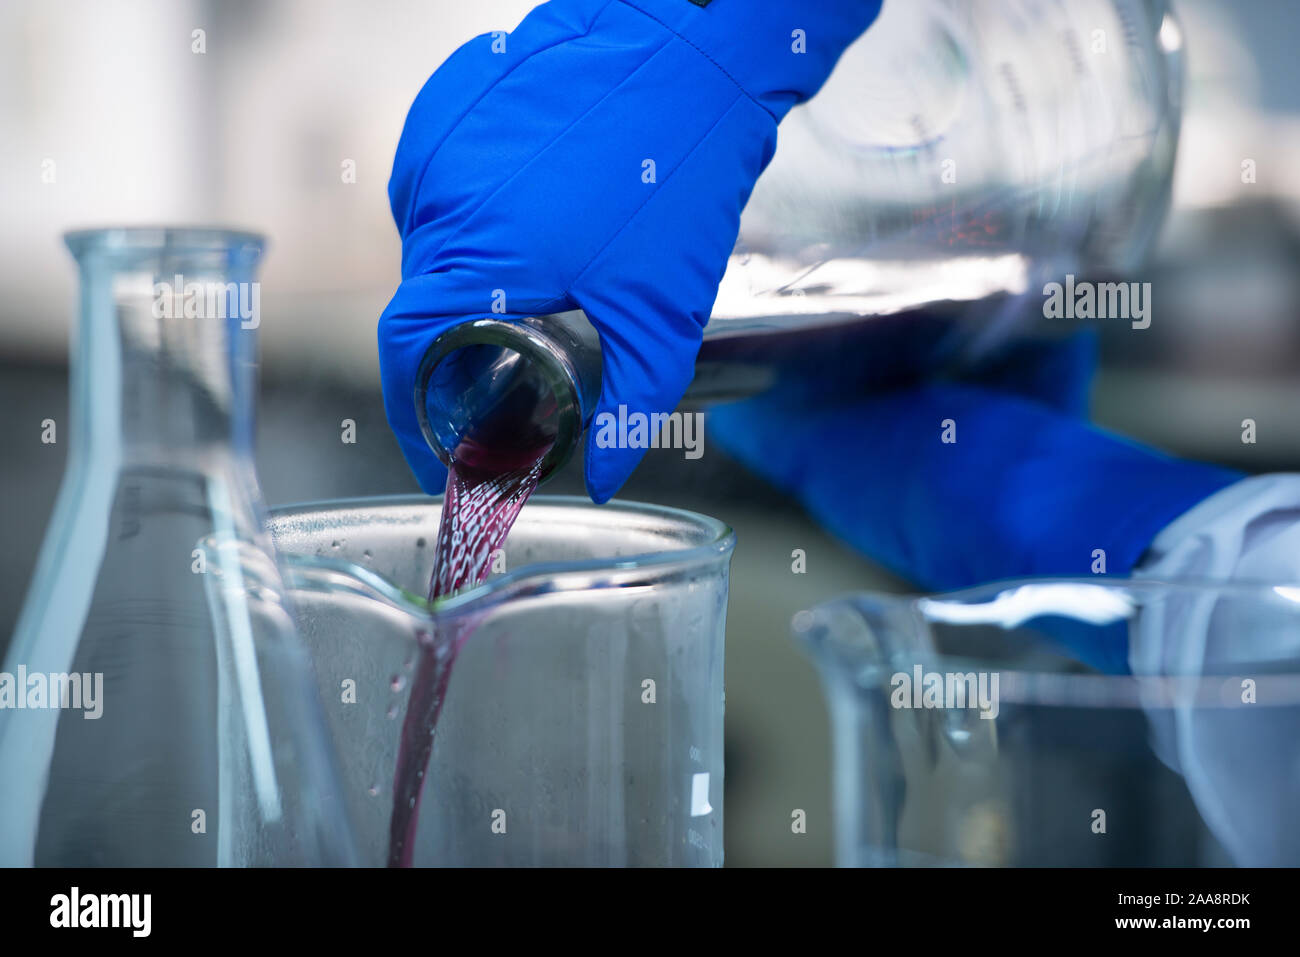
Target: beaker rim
902	619
716	542
149	237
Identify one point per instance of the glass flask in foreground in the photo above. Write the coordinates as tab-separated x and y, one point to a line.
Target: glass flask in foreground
583	715
964	733
157	716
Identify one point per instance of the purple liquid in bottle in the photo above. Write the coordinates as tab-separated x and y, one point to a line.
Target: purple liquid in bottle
482	501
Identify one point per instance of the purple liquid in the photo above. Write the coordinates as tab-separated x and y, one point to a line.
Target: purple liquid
478	510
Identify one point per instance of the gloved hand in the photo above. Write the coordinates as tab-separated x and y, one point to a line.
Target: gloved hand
1026	488
598	157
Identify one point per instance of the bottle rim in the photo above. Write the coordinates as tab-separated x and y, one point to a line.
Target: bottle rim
536	348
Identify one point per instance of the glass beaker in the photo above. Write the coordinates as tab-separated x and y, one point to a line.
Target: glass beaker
582	722
965	734
155	715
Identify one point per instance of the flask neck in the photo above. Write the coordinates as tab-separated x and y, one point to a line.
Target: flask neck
165	360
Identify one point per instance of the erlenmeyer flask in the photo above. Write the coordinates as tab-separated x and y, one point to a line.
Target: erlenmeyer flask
160	710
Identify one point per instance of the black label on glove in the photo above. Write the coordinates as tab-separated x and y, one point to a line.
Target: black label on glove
701	3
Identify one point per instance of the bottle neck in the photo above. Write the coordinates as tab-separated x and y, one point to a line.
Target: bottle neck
164	370
496	393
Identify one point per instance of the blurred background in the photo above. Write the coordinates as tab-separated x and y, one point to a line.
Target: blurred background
282	116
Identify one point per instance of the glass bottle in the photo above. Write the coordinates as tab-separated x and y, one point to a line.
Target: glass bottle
161	710
962	154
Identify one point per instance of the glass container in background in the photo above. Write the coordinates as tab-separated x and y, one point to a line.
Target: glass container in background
188	731
583	718
1195	766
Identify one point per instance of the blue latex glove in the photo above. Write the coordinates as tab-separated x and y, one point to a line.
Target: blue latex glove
522	184
1028	488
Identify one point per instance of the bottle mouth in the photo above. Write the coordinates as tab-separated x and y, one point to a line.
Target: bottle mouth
500	394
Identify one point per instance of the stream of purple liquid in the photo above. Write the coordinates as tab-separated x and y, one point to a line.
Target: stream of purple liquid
478	510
